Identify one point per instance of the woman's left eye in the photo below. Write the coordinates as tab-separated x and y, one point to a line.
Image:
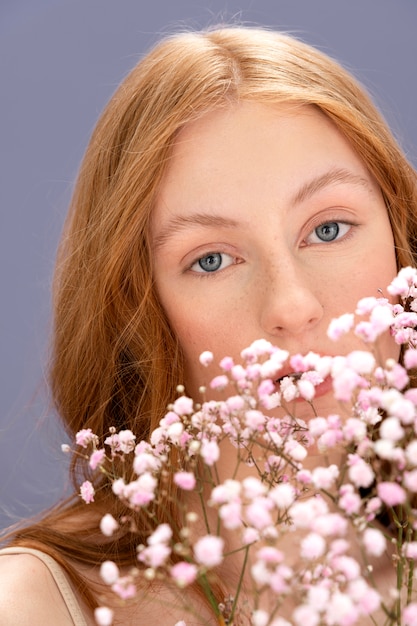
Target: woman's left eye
212	262
328	232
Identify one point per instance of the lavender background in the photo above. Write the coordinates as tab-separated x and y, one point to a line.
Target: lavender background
60	60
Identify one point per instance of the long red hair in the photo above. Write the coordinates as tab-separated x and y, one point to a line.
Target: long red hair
115	361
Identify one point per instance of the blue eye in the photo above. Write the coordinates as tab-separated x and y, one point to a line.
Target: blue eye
212	262
328	231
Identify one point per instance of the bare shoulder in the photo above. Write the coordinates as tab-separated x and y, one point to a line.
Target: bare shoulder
28	593
161	605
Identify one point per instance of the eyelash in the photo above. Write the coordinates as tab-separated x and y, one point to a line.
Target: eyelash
339	223
206	256
202	273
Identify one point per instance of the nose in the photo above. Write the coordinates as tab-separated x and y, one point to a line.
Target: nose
289	304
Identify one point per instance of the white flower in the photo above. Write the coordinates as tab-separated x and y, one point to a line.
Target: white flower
108	525
103	616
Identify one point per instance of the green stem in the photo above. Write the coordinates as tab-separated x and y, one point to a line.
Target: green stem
239	586
209	595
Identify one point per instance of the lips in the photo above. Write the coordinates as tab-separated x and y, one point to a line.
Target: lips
293	375
321	386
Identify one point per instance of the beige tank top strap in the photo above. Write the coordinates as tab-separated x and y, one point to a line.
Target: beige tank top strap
60	580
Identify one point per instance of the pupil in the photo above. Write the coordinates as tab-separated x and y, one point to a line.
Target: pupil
328	232
211	262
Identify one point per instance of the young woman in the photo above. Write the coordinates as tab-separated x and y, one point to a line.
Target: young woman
239	185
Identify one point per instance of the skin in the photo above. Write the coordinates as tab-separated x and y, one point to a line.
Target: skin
277	204
240	186
246	194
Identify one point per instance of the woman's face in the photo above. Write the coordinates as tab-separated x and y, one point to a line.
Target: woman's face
267	225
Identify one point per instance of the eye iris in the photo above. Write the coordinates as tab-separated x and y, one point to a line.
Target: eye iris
211	262
328	231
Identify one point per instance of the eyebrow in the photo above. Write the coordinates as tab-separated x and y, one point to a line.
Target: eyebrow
334	176
181	222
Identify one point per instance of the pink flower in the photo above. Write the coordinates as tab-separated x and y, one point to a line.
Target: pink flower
329	524
347	566
365	305
155	555
219	382
141	491
235	403
87	492
283	495
364	596
303	513
124	588
361	361
231	515
373	506
238	373
360	473
345	382
144	461
226	492
396	404
85	437
103	616
410	550
391	429
410	358
340	326
254	420
253	487
313	546
249	535
400	285
226	363
209	451
258	512
260	618
410	481
397	376
174	432
410	614
295	450
374	542
317	426
354	429
306	389
411	453
288	389
350	502
162	534
108	525
325	477
184	573
269	554
306	615
126	441
208	551
96	458
185	480
391	493
183	406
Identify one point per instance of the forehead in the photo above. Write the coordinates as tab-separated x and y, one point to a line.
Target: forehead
253	144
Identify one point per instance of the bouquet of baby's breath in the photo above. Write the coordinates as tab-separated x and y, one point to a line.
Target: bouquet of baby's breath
331	544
